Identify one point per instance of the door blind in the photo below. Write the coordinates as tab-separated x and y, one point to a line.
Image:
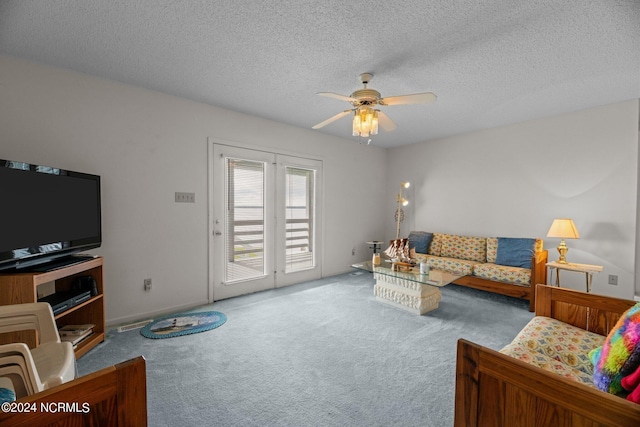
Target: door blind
299	208
245	220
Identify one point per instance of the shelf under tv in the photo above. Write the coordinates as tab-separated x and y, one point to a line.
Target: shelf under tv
22	287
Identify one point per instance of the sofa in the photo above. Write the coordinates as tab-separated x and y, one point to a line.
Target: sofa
544	376
503	265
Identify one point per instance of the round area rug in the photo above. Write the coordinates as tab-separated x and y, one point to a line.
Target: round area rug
180	324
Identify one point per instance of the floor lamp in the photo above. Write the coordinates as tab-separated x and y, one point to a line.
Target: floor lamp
401	202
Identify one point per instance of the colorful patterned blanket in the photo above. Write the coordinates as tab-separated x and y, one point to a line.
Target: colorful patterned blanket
617	362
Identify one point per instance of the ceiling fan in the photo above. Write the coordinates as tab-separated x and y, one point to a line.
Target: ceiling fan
365	115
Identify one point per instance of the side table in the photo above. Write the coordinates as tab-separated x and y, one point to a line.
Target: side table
588	270
376	244
377	247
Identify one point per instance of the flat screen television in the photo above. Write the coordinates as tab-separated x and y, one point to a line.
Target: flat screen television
46	215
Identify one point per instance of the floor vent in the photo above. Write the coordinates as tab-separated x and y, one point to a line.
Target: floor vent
137	325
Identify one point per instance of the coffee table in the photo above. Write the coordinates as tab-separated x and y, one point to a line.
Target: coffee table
408	290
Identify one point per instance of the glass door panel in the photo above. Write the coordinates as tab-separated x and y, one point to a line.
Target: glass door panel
300	215
299	225
245	220
242	221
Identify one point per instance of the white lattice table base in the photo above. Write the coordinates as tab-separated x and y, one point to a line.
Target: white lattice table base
415	297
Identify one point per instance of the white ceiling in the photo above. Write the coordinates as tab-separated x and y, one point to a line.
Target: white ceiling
491	62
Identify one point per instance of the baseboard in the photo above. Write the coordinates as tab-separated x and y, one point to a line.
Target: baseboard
637	297
141	317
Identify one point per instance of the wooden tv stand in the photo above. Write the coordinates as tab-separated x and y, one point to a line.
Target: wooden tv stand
19	288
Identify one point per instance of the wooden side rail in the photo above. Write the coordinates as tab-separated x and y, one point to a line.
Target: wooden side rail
115	396
502	288
493	389
592	312
538	275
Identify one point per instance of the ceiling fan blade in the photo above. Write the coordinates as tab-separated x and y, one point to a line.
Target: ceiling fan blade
416	98
332	119
337	96
385	122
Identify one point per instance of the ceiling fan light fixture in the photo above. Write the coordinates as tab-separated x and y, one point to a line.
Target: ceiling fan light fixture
365	122
364	101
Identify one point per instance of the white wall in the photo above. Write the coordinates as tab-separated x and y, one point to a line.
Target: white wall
146	146
509	181
637	265
513	181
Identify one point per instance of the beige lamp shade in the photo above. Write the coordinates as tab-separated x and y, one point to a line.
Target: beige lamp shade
564	228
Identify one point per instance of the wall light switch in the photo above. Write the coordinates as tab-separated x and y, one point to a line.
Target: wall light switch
185	197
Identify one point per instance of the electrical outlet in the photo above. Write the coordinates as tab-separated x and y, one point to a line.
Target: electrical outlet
613	279
185	197
147	284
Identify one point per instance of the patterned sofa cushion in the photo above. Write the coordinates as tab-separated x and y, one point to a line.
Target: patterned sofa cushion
501	273
436	244
561	342
541	360
492	249
464	247
453	265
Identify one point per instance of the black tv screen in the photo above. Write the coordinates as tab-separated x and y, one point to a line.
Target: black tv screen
46	213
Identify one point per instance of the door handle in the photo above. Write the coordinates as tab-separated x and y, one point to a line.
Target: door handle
218	233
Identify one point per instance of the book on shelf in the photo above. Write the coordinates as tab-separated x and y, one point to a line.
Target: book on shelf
75	339
78	342
75	330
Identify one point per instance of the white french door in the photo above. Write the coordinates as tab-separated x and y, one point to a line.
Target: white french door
242	214
265	222
298	223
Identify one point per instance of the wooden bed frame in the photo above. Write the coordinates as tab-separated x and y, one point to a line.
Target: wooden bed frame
538	275
493	389
115	396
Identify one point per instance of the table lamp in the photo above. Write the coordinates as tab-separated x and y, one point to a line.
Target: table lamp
564	228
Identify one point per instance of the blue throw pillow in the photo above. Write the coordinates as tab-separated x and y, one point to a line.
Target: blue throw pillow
515	252
420	240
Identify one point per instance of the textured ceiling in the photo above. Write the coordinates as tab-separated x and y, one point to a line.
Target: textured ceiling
491	63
